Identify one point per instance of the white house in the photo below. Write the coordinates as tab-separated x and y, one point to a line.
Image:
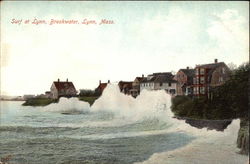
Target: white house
160	81
147	83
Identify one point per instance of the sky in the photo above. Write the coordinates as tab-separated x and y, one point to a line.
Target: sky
145	37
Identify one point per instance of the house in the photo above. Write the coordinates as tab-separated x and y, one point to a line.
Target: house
135	91
208	76
101	87
47	94
62	89
125	86
160	81
184	78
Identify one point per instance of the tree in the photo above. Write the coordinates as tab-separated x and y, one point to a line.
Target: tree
232	98
232	66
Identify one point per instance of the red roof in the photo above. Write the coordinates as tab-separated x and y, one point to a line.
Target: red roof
63	85
102	86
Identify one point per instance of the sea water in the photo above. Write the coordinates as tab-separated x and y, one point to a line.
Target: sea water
115	129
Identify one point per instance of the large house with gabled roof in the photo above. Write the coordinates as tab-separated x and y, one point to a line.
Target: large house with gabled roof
184	78
208	76
62	89
125	87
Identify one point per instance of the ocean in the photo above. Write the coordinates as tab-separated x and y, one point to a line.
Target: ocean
117	129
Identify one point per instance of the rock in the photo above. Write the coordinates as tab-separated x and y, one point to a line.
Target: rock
243	136
219	125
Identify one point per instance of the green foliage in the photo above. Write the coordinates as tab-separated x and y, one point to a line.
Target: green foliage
182	105
232	97
39	102
88	96
90	99
88	93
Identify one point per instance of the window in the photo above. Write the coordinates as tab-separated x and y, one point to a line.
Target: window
172	91
220	79
169	84
223	70
195	90
194	80
197	71
202	90
202	80
160	84
202	71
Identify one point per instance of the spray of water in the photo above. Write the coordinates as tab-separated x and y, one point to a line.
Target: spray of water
127	110
151	105
72	105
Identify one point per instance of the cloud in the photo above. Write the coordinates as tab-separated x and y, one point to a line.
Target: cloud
230	32
166	40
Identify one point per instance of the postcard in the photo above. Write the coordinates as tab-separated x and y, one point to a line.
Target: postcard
124	82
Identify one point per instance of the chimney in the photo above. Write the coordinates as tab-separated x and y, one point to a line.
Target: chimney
108	81
187	67
67	80
215	60
100	81
58	80
142	75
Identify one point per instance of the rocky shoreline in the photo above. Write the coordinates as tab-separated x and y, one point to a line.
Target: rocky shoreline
218	125
243	136
221	125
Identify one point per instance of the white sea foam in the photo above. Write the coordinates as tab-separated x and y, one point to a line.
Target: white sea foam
213	147
126	109
209	146
70	105
148	104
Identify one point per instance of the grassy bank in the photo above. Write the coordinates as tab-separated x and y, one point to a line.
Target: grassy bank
89	99
38	102
199	108
47	101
